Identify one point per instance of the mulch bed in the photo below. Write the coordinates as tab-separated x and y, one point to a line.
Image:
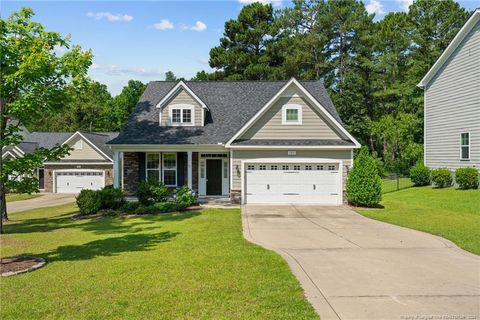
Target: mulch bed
10	266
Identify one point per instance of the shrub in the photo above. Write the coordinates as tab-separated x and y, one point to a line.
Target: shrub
364	186
467	178
420	175
185	197
150	192
160	207
112	198
442	178
89	202
130	207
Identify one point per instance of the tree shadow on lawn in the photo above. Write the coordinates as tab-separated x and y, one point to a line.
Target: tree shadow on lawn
102	225
108	247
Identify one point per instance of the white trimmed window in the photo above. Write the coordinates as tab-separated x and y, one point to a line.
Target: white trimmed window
465	146
181	115
153	166
170	169
292	114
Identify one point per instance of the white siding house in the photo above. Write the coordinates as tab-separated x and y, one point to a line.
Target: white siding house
452	102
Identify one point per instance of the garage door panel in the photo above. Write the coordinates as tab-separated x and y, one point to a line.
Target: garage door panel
307	185
76	181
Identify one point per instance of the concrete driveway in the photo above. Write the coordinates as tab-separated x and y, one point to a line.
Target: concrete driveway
46	200
352	267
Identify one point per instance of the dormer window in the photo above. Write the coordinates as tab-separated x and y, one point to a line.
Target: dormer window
292	114
181	115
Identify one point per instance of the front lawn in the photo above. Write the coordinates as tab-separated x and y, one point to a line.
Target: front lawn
449	213
178	266
21	196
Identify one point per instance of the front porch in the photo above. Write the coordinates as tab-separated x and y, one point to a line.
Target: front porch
207	173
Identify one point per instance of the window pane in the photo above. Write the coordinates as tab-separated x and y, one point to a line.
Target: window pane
465	152
176	115
465	139
170	177
292	114
153	160
187	116
170	161
153	175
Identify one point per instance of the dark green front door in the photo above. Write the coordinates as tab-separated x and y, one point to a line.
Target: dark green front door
214	177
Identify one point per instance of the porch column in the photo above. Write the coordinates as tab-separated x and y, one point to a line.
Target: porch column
116	169
189	169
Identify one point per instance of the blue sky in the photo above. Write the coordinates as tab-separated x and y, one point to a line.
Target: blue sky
143	40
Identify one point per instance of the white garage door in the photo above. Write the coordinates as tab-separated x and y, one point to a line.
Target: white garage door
310	183
76	181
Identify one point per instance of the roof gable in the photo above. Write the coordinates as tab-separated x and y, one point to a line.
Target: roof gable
286	90
469	25
175	90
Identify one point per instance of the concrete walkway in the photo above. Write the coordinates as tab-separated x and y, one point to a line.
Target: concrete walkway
46	200
352	267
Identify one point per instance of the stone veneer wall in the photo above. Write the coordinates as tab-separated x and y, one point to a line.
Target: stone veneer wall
131	170
107	168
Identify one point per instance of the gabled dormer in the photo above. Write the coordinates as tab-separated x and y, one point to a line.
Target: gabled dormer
182	107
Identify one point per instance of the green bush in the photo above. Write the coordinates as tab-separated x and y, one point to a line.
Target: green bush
442	178
364	186
160	207
420	175
185	197
112	198
130	207
467	178
150	192
89	202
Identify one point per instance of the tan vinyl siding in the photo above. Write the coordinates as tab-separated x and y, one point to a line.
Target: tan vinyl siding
183	97
270	126
86	153
240	155
452	106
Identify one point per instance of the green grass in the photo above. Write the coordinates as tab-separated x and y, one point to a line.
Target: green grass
179	266
449	213
389	185
21	196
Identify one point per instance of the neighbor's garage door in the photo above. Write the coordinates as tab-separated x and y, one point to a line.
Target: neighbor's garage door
293	183
76	181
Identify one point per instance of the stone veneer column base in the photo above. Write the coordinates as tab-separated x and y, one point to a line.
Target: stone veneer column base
236	196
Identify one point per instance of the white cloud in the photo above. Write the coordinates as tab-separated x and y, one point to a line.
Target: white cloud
375	7
114	70
110	16
199	26
275	3
405	4
164	24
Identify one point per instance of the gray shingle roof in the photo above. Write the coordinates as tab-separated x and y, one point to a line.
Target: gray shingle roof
231	105
49	139
310	142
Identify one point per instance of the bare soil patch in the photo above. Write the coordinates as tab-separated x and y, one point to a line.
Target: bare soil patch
10	266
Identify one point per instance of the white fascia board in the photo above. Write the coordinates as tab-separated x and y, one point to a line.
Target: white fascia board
293	147
78	133
450	49
77	163
176	88
8	153
317	104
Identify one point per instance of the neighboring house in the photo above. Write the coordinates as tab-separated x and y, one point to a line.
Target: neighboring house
452	102
252	141
88	166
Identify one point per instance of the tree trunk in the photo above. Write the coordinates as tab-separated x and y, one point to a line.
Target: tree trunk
3	200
